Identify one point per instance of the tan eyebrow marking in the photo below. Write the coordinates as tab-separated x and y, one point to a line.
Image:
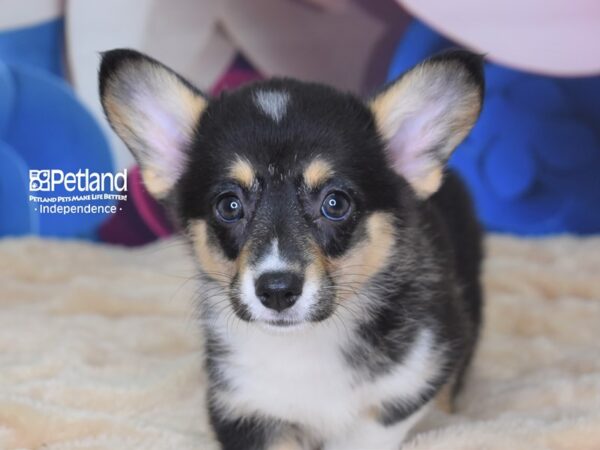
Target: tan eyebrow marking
243	172
317	172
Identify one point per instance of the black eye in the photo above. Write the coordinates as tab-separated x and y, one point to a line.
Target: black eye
229	208
336	206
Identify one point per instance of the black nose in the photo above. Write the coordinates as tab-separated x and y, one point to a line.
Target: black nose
279	290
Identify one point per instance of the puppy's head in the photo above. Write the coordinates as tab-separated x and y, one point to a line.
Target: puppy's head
292	194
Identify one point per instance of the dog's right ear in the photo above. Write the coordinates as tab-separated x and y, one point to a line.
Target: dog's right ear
153	110
426	113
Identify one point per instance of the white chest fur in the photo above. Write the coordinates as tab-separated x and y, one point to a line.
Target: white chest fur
302	377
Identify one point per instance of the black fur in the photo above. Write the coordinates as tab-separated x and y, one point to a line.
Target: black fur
247	433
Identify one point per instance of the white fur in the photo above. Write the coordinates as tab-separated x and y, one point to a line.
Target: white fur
370	435
302	378
272	103
272	262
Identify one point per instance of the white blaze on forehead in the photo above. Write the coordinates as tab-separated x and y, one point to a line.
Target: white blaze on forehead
272	261
272	103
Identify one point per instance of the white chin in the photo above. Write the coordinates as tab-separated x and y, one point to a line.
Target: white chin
282	326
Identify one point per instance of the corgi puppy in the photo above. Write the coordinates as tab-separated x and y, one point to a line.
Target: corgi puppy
339	259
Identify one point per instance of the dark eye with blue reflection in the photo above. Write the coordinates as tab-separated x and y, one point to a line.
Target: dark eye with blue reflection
229	208
335	206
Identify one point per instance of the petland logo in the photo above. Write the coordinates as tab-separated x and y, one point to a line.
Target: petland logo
83	192
82	181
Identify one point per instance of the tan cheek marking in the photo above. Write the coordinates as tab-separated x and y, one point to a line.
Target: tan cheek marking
358	265
211	259
314	273
241	171
241	263
317	172
320	263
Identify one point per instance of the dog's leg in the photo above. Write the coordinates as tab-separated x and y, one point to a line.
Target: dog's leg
444	400
288	444
253	433
241	433
370	434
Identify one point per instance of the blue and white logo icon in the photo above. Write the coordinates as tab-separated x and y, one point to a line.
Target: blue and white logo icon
39	180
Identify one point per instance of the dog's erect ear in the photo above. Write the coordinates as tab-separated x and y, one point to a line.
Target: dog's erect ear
427	112
153	110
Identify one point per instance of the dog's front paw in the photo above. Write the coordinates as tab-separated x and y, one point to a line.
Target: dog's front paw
370	434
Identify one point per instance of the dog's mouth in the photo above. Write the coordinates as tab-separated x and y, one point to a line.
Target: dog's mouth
283	326
315	309
284	320
283	323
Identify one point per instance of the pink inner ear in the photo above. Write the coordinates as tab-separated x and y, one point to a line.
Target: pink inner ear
164	137
410	145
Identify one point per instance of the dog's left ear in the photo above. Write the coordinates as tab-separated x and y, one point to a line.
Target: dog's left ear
426	113
154	111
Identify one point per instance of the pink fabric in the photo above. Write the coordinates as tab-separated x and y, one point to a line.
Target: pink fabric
553	37
148	209
234	78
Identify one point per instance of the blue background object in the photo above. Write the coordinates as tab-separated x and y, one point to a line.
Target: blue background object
533	159
18	215
37	45
43	126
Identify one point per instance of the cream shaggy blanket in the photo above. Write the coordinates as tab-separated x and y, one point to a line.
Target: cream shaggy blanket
99	349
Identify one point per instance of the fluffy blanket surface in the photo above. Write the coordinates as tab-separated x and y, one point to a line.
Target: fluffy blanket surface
100	349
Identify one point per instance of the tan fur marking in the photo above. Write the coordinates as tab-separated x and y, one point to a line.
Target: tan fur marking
242	172
213	262
372	413
241	262
286	445
318	258
314	272
384	105
154	183
430	183
366	259
317	172
444	399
